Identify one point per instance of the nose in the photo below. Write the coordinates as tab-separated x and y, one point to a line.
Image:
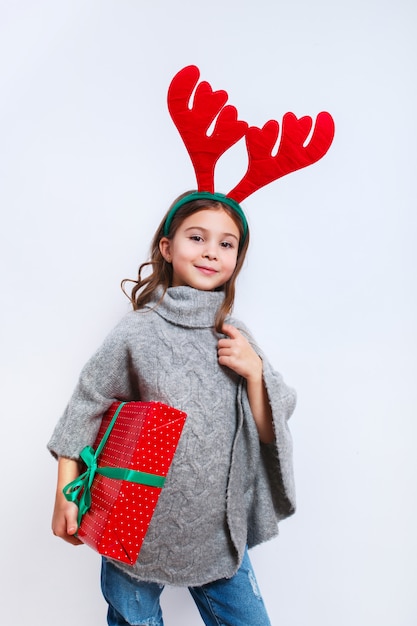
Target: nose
210	252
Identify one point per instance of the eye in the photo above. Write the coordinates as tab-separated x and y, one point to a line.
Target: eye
196	238
226	244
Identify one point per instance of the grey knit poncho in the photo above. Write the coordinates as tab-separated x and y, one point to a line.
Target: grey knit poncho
225	489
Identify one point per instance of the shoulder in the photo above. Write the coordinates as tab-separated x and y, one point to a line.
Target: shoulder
131	324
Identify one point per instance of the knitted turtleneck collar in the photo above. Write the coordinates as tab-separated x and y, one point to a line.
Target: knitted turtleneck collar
187	307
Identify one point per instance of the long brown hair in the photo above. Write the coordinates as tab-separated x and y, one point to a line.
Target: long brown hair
161	271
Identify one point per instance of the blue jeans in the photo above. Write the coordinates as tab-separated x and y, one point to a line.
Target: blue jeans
232	601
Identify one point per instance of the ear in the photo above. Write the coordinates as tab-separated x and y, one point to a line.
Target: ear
165	249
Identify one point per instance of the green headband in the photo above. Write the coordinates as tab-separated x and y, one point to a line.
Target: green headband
205	195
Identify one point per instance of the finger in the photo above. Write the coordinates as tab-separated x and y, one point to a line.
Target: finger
63	534
72	528
224	343
73	540
225	359
223	352
71	519
230	331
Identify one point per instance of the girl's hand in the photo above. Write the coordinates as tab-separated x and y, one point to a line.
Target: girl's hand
235	352
64	519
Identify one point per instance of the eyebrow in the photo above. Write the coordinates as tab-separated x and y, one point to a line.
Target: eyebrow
205	230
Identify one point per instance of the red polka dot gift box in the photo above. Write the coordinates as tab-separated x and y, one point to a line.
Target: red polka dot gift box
126	469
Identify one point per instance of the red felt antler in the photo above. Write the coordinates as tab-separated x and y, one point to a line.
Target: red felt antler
193	123
292	155
263	167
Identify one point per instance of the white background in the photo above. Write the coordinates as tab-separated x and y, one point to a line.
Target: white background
89	162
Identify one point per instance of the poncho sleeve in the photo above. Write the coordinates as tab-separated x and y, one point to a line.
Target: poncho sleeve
106	377
274	488
277	457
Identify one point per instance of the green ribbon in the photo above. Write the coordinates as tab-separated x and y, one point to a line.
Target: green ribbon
79	490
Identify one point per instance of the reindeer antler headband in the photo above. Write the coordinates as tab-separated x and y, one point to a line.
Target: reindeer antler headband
205	150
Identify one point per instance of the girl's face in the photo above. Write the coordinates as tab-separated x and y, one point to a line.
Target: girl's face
203	251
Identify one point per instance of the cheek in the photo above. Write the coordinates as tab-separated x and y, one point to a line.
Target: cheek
231	264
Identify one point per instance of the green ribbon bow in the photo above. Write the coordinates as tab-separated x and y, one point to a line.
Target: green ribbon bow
79	490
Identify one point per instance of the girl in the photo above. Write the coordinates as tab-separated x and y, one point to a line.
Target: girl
231	479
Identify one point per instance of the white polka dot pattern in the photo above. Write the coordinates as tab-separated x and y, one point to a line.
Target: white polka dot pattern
144	438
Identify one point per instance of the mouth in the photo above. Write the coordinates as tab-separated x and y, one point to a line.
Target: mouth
207	271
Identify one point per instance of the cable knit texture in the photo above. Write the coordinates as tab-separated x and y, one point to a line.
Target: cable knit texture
225	489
